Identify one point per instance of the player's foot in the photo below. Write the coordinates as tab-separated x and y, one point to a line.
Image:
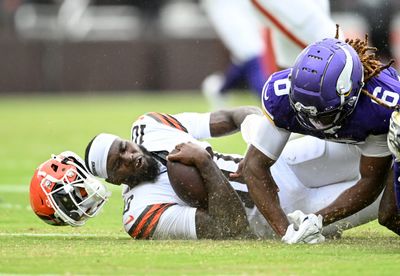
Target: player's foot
211	89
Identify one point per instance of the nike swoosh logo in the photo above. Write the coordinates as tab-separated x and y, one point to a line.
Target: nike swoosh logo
129	220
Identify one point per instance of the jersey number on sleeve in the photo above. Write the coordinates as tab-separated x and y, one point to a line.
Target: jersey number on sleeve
137	134
282	87
127	204
389	97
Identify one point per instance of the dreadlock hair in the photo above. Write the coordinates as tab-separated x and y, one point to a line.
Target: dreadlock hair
372	66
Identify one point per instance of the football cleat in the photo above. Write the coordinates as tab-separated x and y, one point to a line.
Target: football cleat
211	89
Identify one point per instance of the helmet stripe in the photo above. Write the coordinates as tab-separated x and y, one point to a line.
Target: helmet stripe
344	84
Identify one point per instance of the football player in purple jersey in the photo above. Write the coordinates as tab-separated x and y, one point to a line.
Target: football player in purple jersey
337	91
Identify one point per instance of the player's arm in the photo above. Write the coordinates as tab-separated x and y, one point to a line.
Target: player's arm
389	214
373	172
225	216
389	208
206	125
375	163
266	144
263	189
227	121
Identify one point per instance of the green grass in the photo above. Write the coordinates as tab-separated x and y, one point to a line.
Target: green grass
34	127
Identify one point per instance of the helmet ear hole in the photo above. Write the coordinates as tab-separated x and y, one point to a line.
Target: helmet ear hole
54	167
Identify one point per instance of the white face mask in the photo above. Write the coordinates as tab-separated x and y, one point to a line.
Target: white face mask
78	200
318	124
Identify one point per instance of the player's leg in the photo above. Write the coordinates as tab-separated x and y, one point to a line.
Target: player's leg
317	163
237	27
312	173
294	30
240	32
323	196
308	162
310	200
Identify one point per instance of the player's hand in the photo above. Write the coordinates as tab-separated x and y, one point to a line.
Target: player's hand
303	228
238	174
189	154
296	218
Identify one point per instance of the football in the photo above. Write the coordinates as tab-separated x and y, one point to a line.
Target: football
188	184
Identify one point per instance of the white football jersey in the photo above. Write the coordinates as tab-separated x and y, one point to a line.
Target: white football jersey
162	132
154	211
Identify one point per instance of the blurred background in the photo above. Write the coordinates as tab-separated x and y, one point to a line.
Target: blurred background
156	45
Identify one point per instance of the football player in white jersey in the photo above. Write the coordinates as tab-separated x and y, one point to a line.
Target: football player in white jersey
241	32
260	33
295	24
153	210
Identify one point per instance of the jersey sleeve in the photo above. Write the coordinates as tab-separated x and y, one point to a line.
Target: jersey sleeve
196	124
264	135
392	73
375	146
275	100
267	100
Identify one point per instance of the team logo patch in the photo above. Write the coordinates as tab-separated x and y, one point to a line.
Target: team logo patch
129	220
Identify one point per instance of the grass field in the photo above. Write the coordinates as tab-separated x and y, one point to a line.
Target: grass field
34	127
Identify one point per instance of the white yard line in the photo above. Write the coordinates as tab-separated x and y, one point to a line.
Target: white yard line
13	188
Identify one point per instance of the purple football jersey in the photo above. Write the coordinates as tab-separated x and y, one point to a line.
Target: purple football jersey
368	117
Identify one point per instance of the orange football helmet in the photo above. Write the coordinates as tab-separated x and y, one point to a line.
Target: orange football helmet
63	192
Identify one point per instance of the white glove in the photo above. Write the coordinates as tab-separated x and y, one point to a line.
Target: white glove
296	218
303	228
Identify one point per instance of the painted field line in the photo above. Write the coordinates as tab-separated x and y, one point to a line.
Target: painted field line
59	235
13	188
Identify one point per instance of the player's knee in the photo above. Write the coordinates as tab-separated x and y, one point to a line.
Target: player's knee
386	219
383	218
390	222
